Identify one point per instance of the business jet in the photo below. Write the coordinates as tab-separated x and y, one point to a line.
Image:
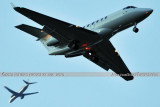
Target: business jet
21	93
92	41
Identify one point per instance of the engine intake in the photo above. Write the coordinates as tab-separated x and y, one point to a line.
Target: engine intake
52	42
22	97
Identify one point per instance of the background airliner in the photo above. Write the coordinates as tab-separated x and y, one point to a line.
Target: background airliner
92	41
20	93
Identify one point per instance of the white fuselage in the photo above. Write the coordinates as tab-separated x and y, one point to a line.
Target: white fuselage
112	24
119	20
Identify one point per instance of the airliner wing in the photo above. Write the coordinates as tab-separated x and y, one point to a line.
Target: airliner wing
11	91
109	58
65	31
30	93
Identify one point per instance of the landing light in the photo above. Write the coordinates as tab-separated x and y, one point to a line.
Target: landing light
147	12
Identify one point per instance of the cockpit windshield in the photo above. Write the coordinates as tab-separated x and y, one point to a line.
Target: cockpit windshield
128	7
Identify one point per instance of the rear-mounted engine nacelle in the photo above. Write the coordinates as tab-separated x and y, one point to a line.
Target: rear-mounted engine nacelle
52	42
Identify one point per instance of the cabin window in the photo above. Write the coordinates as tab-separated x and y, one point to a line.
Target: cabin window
97	21
101	19
92	23
106	17
88	25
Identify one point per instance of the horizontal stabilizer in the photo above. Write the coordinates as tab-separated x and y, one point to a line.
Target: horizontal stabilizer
29	82
32	30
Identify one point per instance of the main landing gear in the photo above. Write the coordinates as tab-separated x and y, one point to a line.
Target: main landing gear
135	29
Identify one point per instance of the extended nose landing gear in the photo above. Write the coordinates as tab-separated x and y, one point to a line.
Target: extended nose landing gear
135	29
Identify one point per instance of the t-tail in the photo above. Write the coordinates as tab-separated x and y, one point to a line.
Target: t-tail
29	82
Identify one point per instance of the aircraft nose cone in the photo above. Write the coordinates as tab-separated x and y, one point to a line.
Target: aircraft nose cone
149	11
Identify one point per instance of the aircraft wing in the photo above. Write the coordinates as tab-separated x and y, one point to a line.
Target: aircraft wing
62	31
109	58
30	93
11	91
66	32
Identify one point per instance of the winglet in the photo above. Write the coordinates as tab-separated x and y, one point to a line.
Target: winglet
5	86
12	5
